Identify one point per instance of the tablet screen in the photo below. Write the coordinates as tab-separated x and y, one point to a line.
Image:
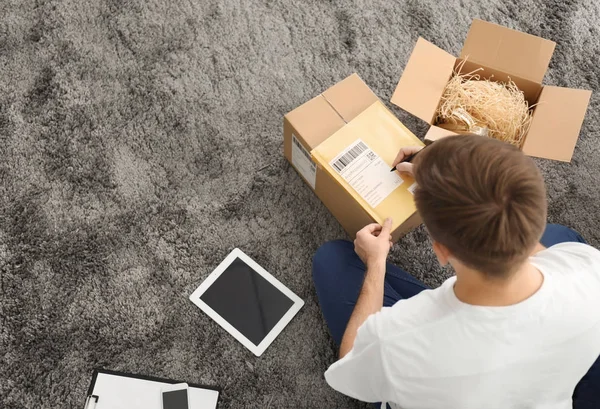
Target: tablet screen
247	301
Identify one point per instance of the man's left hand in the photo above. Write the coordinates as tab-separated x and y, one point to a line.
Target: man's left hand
373	242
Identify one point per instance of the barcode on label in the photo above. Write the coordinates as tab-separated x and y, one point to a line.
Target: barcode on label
299	145
349	156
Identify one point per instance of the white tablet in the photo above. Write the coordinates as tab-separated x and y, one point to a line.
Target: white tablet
247	301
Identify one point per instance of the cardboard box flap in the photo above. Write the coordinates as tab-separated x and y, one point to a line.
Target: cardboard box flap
531	89
350	97
556	123
502	48
423	81
435	132
315	121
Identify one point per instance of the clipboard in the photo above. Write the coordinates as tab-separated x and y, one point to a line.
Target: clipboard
121	390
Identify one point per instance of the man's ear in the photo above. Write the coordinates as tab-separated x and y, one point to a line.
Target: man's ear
442	253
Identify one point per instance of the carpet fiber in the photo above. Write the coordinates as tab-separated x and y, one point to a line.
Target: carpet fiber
141	141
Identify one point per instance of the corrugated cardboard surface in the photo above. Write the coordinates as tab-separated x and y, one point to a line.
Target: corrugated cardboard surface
348	212
350	97
531	89
504	54
385	135
423	81
557	120
435	132
511	51
315	121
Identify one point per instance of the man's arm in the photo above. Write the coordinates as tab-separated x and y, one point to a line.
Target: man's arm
369	302
368	245
372	245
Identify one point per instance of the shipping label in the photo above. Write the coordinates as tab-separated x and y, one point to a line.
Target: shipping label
303	162
366	172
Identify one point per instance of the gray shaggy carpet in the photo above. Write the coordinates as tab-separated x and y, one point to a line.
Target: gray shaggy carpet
141	140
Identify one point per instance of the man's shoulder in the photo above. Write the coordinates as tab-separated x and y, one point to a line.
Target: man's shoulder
572	272
569	259
573	247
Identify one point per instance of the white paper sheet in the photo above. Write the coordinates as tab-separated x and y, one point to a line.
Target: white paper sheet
366	172
121	392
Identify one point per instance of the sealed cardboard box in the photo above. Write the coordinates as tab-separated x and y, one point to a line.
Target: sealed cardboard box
503	53
342	143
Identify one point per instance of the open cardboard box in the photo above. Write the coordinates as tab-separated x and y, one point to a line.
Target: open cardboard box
503	53
322	130
343	142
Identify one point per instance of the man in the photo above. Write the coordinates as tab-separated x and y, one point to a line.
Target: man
517	327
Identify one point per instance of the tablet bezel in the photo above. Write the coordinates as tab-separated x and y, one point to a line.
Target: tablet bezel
270	337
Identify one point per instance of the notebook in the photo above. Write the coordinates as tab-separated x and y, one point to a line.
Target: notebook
119	390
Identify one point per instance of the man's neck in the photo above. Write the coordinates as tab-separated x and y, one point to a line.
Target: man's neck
473	287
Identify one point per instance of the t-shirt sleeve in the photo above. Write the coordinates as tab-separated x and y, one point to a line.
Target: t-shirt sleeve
361	373
570	259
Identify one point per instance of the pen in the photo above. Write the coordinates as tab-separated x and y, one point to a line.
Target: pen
410	157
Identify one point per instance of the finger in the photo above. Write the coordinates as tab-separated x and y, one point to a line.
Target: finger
391	244
370	228
387	227
411	150
405	167
405	152
398	158
391	239
377	232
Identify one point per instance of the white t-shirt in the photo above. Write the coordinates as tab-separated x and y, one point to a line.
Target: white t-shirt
434	351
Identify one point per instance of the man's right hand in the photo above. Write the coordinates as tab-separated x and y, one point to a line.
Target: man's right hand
405	167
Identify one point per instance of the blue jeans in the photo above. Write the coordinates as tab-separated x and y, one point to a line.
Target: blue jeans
338	275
